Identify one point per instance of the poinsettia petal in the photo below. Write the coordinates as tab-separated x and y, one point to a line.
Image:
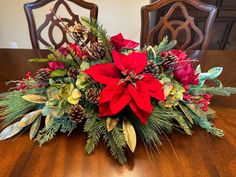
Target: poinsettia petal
104	109
136	61
141	115
107	93
130	44
120	98
152	86
142	99
104	73
117	41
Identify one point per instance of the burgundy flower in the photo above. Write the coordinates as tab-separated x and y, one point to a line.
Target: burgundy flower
119	42
126	85
183	69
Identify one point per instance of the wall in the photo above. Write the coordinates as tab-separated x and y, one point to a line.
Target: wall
116	16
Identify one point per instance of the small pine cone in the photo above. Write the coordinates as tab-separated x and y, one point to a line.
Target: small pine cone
97	50
169	61
76	113
72	73
152	68
42	75
92	95
79	31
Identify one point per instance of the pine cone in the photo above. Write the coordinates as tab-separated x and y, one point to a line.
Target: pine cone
97	50
79	31
92	95
72	73
42	75
169	61
151	68
76	113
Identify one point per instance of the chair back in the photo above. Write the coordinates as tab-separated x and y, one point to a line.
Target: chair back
182	28
51	22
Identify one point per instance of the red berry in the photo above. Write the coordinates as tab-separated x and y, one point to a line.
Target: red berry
187	97
204	108
28	74
207	97
186	87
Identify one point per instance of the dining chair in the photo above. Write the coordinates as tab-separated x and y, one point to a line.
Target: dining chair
183	29
51	22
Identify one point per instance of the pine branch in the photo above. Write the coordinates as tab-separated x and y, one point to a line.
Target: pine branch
222	91
45	60
94	127
13	106
63	124
98	30
165	45
206	124
183	124
116	142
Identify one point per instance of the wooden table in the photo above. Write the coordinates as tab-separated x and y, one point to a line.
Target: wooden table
198	155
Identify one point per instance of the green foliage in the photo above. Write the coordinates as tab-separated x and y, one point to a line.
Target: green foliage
47	133
222	91
116	142
158	123
13	106
183	124
99	31
206	124
95	128
45	60
164	45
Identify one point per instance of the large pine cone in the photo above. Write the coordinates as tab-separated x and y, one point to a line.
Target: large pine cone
97	50
92	95
79	31
42	75
152	68
76	113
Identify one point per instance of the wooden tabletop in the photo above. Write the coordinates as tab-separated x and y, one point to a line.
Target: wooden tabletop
200	155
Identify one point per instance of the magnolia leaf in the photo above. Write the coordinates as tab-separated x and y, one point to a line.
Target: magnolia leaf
34	98
186	113
48	120
29	118
111	123
59	73
210	113
130	135
198	69
10	131
84	65
34	128
197	110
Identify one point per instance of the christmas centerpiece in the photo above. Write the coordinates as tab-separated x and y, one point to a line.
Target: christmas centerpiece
117	93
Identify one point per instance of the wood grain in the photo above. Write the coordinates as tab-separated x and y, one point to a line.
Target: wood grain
200	155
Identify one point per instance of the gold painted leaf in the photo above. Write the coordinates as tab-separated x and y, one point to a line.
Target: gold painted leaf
29	118
210	113
167	88
111	123
197	110
34	128
48	120
34	98
186	113
130	135
10	131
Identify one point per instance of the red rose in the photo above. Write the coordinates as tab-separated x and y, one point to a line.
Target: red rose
119	42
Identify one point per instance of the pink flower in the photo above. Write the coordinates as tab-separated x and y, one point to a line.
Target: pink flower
119	42
56	65
126	85
183	68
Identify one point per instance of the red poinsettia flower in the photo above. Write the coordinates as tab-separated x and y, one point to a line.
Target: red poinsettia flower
119	42
126	85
